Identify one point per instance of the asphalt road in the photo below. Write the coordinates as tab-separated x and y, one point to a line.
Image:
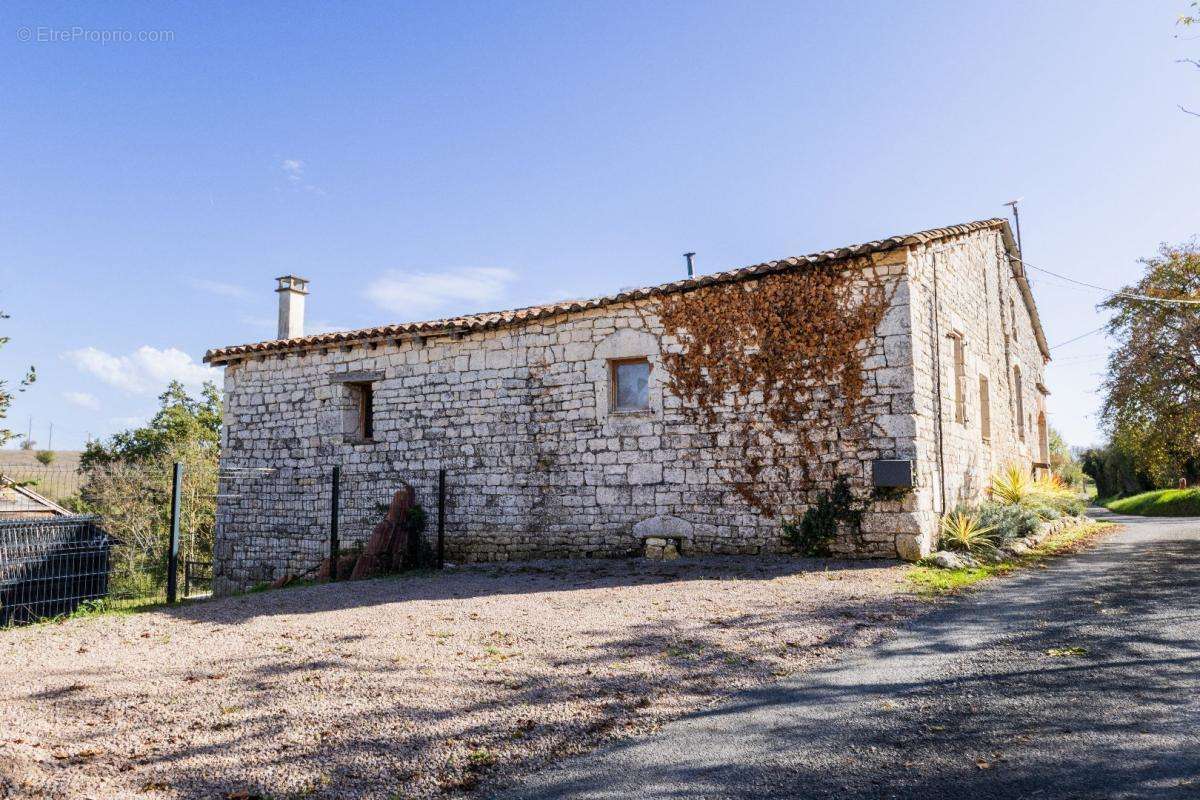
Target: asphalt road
967	702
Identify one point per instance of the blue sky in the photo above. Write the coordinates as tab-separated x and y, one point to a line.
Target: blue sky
479	156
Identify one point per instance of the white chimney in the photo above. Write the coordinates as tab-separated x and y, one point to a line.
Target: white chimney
291	306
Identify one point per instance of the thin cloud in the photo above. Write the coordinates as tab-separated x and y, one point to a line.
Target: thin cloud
221	288
293	170
82	400
416	294
146	370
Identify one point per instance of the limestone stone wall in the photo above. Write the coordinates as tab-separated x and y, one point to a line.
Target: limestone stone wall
978	302
538	464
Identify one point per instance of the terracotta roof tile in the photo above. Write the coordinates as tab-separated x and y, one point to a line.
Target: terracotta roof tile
496	319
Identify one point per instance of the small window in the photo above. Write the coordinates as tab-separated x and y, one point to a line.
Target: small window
1043	440
629	379
1020	400
364	402
985	410
960	379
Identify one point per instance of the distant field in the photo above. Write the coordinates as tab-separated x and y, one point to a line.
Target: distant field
57	481
1162	503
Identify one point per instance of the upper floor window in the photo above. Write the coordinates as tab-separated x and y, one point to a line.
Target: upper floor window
1020	401
629	379
985	410
960	378
363	396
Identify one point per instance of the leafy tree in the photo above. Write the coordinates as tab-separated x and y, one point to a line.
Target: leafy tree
1062	462
1113	471
45	457
181	421
128	482
6	397
1152	389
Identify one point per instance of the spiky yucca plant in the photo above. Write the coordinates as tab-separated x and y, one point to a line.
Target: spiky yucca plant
1014	485
962	531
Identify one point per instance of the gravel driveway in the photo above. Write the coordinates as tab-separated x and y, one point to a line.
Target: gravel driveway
1079	681
414	686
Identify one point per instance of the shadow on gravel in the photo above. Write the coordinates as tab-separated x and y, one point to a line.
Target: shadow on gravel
358	748
1090	693
519	578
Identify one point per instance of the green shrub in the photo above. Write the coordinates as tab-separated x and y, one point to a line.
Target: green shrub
1075	506
813	534
1047	511
131	583
1008	521
1056	506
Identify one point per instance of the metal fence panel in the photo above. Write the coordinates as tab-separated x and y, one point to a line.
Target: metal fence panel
48	567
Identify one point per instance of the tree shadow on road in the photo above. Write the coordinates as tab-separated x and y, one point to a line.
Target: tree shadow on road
1079	688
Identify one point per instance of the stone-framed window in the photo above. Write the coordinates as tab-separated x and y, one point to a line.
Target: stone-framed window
629	385
362	394
352	409
960	377
1043	434
985	410
627	359
1018	390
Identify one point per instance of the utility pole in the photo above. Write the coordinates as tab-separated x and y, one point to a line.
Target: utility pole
50	438
1017	219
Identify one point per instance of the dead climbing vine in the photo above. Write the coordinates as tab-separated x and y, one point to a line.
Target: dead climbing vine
781	358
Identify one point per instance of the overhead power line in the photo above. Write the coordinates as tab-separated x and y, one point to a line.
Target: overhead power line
1080	336
1113	292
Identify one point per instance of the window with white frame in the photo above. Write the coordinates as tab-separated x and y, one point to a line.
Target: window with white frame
629	382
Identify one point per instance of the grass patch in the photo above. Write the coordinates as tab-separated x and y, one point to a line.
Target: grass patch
930	581
1162	503
935	582
91	609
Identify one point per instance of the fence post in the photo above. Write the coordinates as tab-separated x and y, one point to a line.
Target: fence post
441	544
333	524
173	546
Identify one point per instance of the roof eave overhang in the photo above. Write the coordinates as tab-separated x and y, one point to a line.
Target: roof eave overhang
1018	270
460	326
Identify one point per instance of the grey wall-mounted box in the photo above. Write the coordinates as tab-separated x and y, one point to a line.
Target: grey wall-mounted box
894	474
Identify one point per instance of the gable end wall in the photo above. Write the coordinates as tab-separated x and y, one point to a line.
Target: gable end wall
977	297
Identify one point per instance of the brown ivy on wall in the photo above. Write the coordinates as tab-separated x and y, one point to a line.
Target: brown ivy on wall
777	365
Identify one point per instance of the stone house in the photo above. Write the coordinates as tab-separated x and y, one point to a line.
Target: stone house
578	428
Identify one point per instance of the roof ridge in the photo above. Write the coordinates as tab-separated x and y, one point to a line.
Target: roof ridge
494	319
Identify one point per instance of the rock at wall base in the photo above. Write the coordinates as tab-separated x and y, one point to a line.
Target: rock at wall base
911	547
